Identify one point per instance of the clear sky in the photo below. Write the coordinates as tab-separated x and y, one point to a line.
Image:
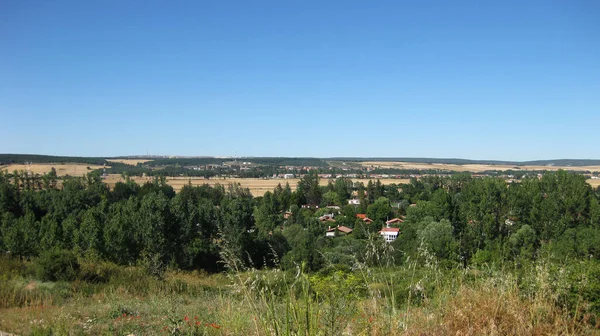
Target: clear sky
507	80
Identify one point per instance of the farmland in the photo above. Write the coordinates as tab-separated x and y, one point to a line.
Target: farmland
257	186
131	162
62	169
595	183
474	168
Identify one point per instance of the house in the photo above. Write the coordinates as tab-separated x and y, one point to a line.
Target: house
288	176
327	217
287	214
394	221
364	218
310	206
389	234
330	232
354	201
344	230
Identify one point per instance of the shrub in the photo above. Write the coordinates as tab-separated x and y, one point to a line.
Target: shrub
57	265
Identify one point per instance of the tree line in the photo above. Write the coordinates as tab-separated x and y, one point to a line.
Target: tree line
459	219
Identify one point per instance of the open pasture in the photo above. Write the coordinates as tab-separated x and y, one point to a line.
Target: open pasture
475	168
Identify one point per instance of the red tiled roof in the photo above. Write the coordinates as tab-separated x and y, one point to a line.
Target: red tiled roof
369	220
394	220
386	229
361	216
344	229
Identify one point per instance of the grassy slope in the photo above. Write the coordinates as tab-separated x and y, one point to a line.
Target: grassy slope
406	300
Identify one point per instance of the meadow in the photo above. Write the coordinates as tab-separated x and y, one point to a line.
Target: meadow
419	298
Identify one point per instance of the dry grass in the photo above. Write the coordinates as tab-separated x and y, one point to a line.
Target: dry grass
484	308
131	162
62	169
594	182
476	168
258	187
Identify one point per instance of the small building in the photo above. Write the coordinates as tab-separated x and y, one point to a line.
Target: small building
389	234
287	214
364	218
333	231
288	176
354	201
310	206
327	217
394	221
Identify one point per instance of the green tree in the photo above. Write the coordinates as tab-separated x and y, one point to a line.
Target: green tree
380	211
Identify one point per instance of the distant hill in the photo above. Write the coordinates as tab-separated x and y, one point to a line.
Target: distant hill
34	158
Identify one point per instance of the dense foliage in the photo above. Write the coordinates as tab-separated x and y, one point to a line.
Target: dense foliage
461	220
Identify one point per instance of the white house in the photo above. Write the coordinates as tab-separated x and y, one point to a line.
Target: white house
354	201
389	234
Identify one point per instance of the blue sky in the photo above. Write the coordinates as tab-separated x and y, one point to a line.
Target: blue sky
507	80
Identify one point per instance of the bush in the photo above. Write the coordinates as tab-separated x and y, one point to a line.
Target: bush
57	265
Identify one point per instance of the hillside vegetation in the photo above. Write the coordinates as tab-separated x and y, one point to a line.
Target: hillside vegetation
474	256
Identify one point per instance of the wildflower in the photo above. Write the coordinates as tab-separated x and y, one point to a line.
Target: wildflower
196	318
198	323
186	317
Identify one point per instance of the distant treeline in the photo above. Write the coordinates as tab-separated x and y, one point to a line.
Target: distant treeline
23	158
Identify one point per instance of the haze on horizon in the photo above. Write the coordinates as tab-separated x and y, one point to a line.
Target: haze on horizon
501	81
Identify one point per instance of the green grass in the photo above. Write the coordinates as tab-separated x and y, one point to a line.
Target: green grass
419	298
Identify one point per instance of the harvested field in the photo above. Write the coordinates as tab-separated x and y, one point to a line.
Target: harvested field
258	187
62	169
595	183
131	162
476	168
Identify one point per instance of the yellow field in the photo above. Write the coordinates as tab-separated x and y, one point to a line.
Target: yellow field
594	183
62	169
477	168
258	187
131	162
